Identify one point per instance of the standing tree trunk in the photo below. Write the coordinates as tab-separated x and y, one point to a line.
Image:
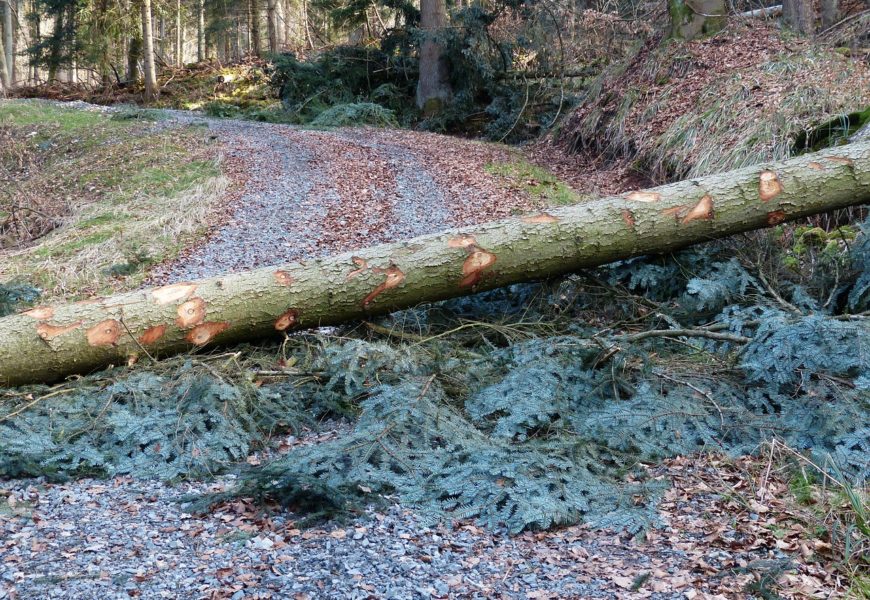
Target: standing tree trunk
73	74
148	50
830	13
272	24
9	42
307	23
134	52
55	47
179	36
799	16
255	27
200	30
4	72
286	32
49	342
695	18
433	86
101	28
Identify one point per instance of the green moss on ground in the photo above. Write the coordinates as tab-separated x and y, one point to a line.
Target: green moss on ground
538	182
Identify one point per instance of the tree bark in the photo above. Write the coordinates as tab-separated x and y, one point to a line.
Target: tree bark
433	86
49	342
691	19
799	16
134	50
272	24
55	47
307	23
4	73
9	42
200	30
148	51
255	27
830	13
179	36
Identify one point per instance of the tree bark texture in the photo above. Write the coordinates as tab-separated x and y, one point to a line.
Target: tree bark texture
799	16
200	30
9	41
272	24
830	13
179	36
696	18
148	51
47	343
433	86
4	74
255	27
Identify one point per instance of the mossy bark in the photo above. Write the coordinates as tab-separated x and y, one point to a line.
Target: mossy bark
695	18
49	342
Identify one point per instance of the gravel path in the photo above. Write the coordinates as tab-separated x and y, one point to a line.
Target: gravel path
133	539
300	194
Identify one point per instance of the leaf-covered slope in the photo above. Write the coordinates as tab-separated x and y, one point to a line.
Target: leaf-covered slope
745	95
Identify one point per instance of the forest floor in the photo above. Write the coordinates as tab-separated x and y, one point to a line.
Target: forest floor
728	528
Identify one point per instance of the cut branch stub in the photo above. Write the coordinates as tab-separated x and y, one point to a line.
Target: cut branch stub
173	293
191	313
702	211
105	333
541	218
48	332
775	217
644	196
204	333
152	334
461	241
362	265
287	320
283	278
769	186
394	278
628	218
40	313
478	261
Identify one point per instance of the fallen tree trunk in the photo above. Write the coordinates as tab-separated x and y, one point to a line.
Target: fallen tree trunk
49	342
770	11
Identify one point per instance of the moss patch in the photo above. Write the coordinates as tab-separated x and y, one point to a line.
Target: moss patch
538	182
